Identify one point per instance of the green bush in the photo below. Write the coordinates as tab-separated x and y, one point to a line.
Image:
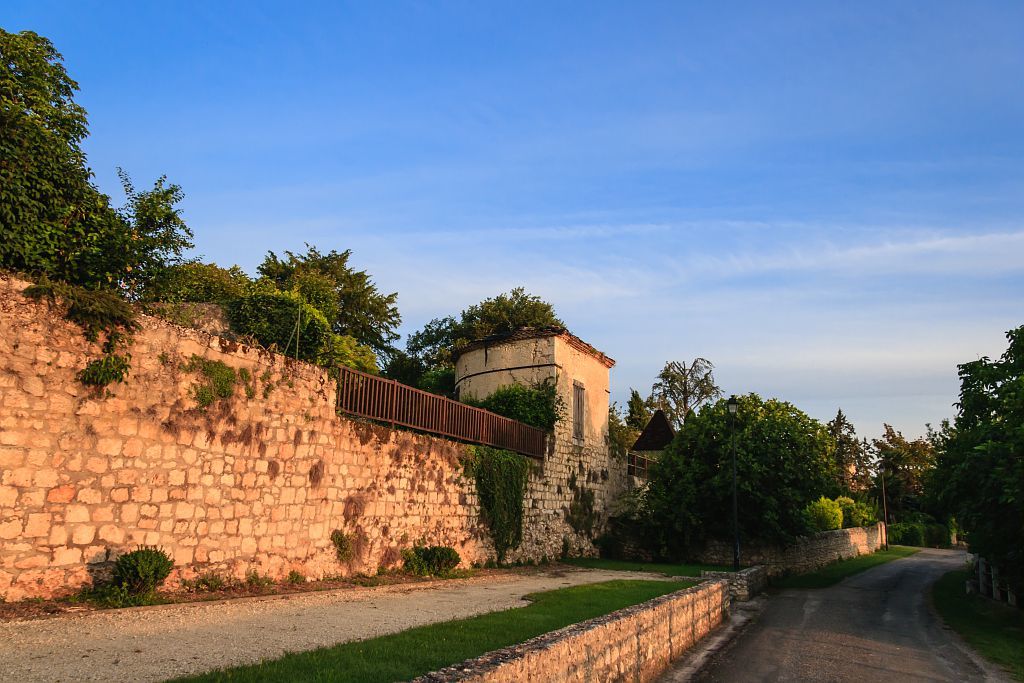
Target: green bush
107	369
198	283
907	533
855	512
432	560
823	514
142	570
342	545
283	321
539	405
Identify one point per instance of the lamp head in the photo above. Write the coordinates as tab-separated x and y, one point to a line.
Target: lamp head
733	404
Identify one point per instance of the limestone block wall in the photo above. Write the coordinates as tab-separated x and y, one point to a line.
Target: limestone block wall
634	644
744	584
805	554
254	482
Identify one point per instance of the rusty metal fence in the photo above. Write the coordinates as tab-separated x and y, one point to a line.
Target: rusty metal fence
395	403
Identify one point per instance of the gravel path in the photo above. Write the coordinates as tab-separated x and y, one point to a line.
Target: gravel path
157	643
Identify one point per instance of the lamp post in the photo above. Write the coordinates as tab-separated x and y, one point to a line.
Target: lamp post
734	405
885	506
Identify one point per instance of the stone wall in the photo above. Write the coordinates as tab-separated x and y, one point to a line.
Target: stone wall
744	584
635	644
805	554
256	482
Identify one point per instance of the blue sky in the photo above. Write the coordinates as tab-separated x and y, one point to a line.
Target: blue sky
823	198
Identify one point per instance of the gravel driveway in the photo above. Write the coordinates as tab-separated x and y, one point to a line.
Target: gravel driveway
157	643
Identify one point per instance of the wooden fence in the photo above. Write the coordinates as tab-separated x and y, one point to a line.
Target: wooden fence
395	403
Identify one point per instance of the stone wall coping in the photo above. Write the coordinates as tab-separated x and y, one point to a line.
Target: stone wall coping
480	667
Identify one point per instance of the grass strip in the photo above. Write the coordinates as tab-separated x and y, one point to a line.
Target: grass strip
655	567
837	571
420	650
994	630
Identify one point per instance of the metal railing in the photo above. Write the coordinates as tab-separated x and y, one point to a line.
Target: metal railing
637	465
395	403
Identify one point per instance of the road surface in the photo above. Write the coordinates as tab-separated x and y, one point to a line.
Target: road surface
874	626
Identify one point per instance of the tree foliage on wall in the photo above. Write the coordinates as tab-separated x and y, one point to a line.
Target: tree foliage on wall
979	476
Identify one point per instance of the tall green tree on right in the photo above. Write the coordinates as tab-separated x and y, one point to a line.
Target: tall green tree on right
979	476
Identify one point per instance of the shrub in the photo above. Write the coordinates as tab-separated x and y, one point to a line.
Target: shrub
105	370
206	582
539	405
342	545
433	560
219	383
906	533
197	283
295	578
855	512
257	581
283	321
823	514
142	570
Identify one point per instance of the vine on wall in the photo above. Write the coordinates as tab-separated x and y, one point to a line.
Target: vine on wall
501	488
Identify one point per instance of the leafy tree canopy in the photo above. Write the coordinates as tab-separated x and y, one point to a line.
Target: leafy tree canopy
429	352
783	462
55	222
852	455
905	465
680	389
979	476
638	414
348	298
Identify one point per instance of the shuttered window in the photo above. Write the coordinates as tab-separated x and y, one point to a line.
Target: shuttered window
579	401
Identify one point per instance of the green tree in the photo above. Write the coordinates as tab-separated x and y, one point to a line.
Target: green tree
783	462
680	389
348	298
430	350
54	220
852	457
905	464
979	474
638	414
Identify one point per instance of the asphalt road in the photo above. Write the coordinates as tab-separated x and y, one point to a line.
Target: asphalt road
874	626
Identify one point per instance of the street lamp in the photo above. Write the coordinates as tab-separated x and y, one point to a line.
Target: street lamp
734	405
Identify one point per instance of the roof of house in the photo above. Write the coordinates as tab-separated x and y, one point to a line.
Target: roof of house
536	333
656	435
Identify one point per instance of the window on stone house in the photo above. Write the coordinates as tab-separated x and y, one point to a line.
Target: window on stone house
578	410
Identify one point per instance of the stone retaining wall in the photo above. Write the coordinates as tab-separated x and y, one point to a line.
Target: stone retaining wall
635	644
743	584
806	554
254	482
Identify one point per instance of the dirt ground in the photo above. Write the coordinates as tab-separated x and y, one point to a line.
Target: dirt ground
165	641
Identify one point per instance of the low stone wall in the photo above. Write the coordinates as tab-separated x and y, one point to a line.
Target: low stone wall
806	554
636	644
743	584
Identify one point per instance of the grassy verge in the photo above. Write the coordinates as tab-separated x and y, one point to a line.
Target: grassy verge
656	567
837	571
996	631
408	654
